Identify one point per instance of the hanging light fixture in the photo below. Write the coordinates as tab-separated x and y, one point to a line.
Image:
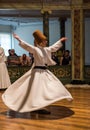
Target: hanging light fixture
44	9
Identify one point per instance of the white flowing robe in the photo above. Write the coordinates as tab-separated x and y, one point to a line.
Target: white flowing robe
37	88
4	76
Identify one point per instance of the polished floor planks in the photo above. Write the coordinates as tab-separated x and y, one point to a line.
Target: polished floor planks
64	115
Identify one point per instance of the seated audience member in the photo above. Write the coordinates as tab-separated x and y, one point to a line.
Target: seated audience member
55	58
13	59
25	60
9	52
31	58
66	58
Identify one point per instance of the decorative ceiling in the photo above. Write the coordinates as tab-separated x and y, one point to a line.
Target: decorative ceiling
12	17
26	11
34	1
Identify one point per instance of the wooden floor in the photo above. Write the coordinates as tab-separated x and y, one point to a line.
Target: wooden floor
64	115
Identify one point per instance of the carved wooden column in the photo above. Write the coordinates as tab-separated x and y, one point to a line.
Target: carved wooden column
77	42
46	24
62	30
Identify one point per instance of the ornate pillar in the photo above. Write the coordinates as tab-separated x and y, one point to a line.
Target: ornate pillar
46	24
77	42
62	30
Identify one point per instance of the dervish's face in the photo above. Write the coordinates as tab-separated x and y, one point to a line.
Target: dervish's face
44	43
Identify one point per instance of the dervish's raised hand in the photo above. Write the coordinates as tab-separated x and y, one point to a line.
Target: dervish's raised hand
63	39
16	37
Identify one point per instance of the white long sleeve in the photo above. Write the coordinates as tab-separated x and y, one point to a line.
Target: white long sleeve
56	46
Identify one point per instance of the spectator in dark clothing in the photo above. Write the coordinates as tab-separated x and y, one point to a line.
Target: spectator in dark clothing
13	59
66	58
55	58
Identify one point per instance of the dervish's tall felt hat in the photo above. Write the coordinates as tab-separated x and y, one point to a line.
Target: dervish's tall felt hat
39	36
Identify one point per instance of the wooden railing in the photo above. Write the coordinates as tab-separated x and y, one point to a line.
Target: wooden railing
64	73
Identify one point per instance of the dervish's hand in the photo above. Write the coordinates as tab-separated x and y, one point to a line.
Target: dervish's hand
63	39
16	37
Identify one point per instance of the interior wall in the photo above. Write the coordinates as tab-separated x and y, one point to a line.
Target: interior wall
54	31
68	34
25	32
87	41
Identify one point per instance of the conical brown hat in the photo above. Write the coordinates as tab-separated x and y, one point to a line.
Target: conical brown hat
39	36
